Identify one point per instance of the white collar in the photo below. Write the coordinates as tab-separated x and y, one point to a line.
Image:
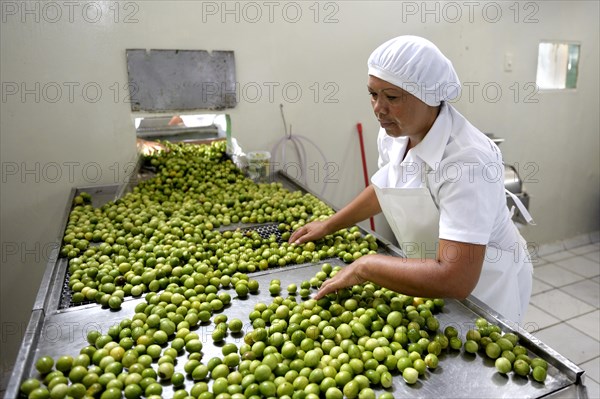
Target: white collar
431	148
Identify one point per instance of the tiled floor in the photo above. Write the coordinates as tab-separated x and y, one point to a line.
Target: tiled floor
564	311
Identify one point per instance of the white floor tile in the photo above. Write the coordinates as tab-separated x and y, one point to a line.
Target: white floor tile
592	369
560	304
537	261
588	324
593	256
536	319
584	249
592	389
556	276
555	257
586	290
581	266
539	286
569	342
551	248
577	241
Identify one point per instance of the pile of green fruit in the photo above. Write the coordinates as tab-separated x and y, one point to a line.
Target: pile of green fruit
505	350
179	241
167	228
339	346
342	345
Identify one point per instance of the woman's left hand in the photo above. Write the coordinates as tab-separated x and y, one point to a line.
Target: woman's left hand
346	277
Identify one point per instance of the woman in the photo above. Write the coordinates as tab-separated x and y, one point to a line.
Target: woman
441	188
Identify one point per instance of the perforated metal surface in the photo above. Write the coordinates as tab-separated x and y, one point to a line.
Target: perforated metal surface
66	300
266	231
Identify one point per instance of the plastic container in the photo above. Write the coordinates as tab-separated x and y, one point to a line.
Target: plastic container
259	166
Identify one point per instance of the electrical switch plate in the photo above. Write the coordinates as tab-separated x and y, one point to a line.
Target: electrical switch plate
508	62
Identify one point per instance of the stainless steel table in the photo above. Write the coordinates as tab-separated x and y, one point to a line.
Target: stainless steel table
54	331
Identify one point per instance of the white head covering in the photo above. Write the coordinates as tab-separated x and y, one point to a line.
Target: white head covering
417	66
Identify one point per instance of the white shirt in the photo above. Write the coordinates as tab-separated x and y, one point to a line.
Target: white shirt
464	172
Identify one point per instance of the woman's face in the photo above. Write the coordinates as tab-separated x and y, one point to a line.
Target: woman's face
399	112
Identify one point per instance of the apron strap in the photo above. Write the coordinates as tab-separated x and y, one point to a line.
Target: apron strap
428	171
521	207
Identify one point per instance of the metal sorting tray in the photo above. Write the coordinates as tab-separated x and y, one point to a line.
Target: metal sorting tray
458	375
66	302
55	332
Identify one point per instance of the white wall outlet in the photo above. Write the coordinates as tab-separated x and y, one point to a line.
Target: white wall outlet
508	62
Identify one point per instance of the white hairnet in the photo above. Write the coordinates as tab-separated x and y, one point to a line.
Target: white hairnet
417	66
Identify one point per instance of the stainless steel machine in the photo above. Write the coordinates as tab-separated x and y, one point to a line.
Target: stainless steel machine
513	183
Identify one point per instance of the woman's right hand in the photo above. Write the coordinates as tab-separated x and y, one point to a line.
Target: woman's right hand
309	232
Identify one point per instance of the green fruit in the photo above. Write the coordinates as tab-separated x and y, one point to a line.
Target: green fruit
431	361
44	364
166	370
539	374
133	391
366	393
450	332
242	290
334	393
493	350
235	325
218	334
194	345
471	346
39	393
481	322
513	338
114	302
200	372
351	389
521	367
539	362
455	343
153	389
57	380
420	366
503	365
220	371
231	360
510	356
76	391
292	289
267	388
473	335
434	348
410	375
505	344
29	385
525	358
262	373
64	363
178	379
519	350
275	289
403	363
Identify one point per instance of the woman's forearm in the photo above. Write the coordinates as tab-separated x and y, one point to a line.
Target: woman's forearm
454	274
417	277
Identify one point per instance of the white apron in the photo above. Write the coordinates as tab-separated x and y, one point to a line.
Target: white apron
505	280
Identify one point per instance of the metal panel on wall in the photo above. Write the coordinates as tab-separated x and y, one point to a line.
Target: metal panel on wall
179	80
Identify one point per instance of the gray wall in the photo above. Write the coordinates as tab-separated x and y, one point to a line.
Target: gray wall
51	142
